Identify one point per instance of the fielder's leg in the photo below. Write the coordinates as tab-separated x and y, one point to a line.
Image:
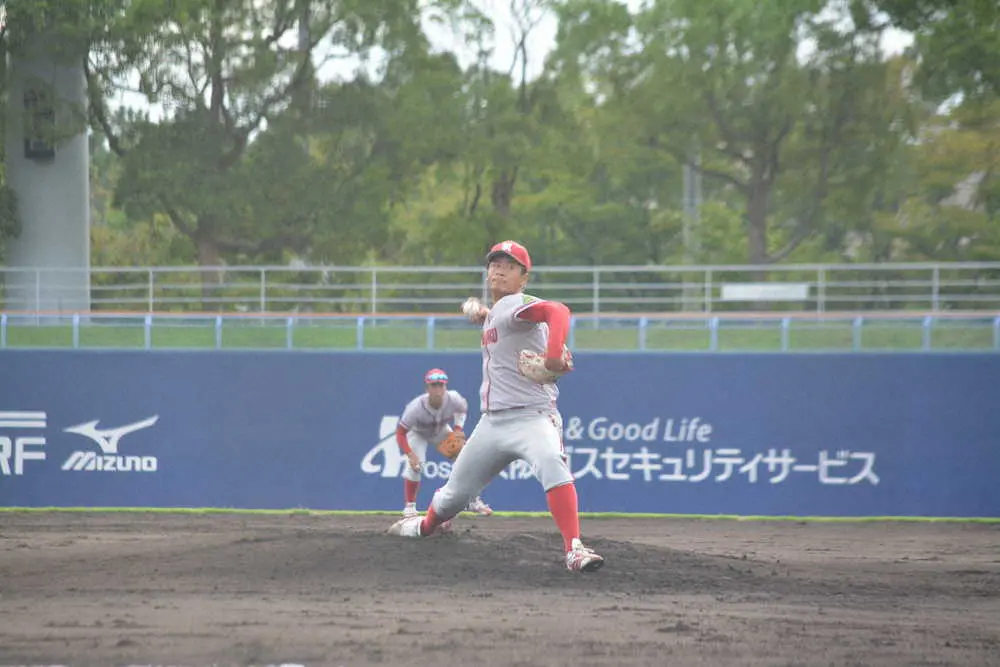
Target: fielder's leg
411	477
479	506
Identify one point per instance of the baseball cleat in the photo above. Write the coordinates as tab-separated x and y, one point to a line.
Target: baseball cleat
407	526
410	527
582	559
478	506
410	510
442	529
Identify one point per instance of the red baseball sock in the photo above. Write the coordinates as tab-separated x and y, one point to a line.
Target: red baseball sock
410	489
563	504
430	522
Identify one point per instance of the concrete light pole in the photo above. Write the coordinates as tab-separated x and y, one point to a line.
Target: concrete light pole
47	161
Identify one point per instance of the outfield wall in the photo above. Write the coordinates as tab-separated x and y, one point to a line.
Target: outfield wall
754	434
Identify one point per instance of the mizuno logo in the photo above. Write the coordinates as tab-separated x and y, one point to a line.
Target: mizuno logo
109	439
109	463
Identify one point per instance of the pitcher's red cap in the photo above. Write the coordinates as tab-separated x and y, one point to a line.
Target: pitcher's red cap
512	249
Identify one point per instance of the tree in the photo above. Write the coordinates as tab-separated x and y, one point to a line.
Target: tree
952	209
596	192
726	80
501	125
494	127
223	70
956	42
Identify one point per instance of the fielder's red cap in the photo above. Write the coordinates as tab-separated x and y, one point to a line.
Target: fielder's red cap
435	375
512	249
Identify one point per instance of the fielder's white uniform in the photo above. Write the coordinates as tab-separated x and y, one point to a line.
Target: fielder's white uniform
426	425
519	420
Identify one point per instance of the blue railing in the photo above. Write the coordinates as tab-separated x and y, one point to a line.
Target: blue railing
698	332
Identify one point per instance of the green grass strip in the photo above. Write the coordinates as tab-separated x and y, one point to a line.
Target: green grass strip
503	514
974	333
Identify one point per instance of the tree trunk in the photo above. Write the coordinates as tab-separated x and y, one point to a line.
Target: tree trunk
756	213
501	197
495	227
757	231
502	194
757	223
211	279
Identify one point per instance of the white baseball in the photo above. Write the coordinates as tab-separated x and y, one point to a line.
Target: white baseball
472	306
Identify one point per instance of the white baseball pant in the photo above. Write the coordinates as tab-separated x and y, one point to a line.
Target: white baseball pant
418	444
498	440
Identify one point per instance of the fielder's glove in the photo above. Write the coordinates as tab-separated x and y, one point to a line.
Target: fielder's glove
452	445
532	366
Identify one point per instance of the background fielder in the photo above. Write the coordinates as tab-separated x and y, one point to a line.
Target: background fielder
429	419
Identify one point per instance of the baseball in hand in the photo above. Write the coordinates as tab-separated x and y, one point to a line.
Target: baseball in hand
472	307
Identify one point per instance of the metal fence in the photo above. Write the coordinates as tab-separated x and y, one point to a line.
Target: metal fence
698	332
933	287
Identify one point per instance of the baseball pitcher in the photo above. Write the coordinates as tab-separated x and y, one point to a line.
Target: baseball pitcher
524	355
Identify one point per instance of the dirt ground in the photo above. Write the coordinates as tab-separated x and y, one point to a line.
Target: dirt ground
225	589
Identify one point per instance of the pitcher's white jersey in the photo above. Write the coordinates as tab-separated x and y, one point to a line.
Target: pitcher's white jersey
504	336
420	417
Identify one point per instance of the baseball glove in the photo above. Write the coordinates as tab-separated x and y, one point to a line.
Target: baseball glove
532	366
452	445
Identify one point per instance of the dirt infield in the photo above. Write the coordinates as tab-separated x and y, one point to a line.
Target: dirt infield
122	589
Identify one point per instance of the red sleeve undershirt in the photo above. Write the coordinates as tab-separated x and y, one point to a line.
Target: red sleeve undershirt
556	315
401	438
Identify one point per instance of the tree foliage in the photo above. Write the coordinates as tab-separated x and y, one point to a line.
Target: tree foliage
723	87
333	132
951	210
956	41
235	79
